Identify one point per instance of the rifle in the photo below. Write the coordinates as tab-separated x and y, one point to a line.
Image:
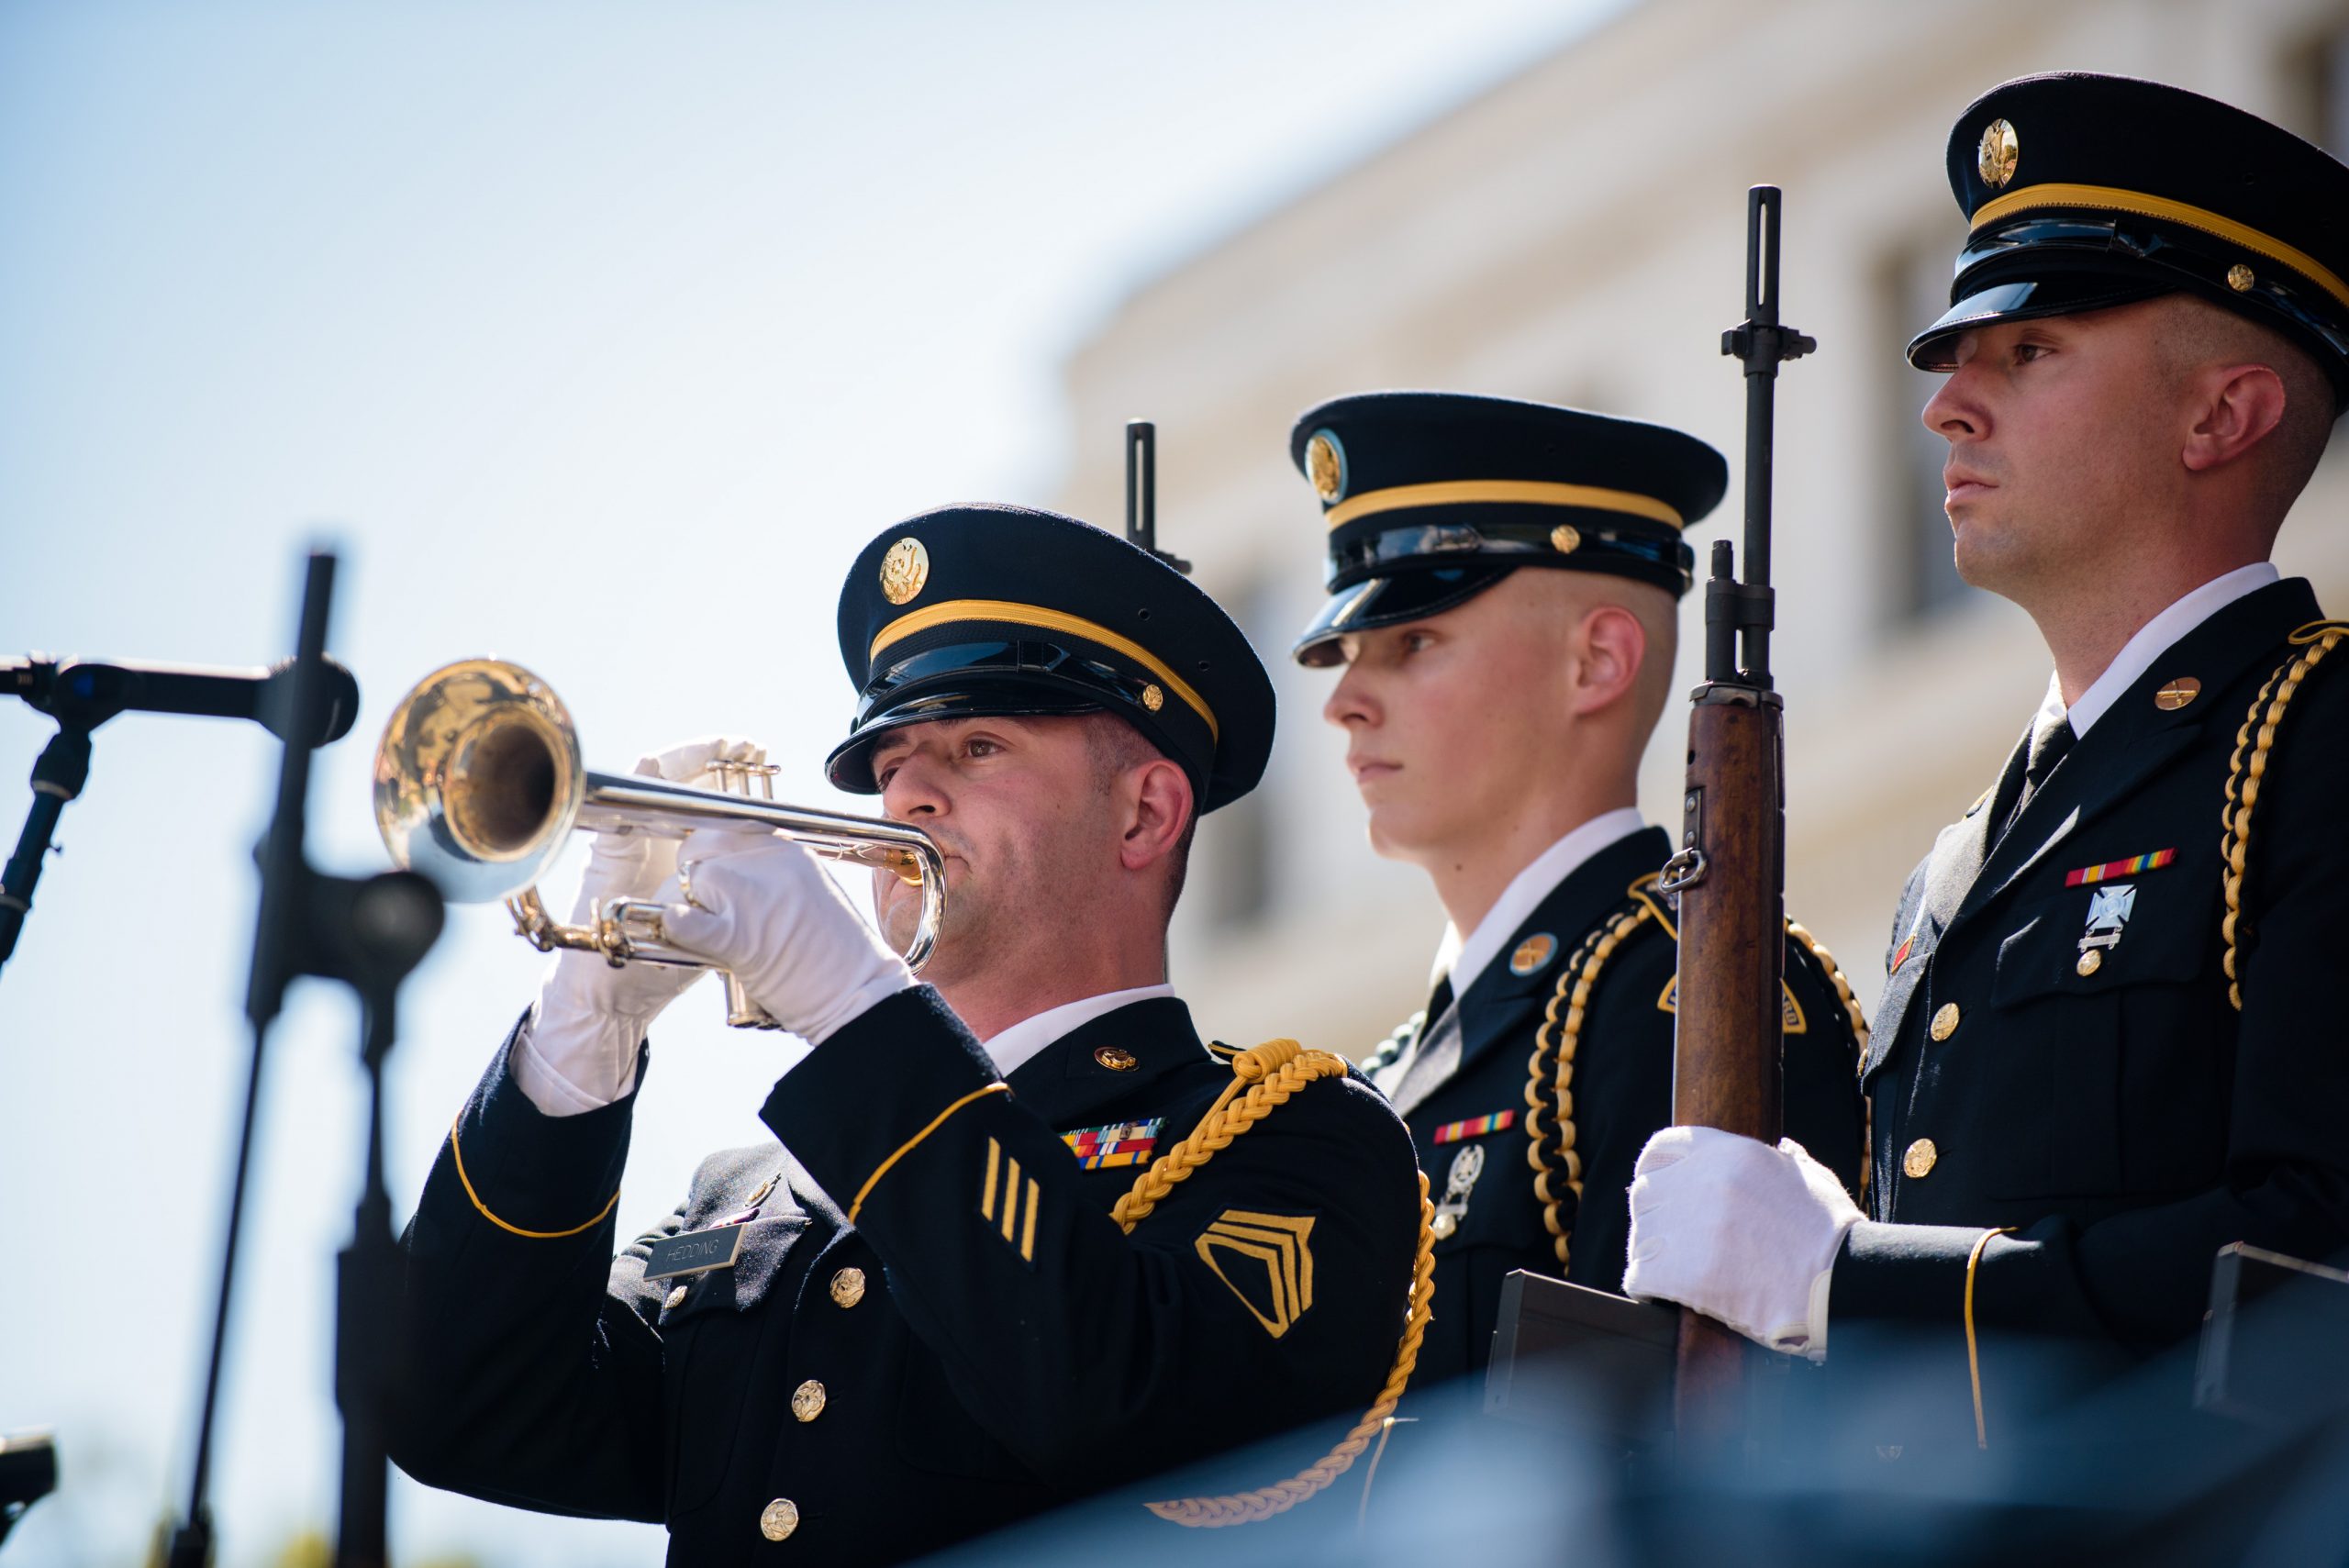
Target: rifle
1141	492
1729	872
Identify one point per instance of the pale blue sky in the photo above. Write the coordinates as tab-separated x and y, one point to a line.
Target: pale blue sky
597	336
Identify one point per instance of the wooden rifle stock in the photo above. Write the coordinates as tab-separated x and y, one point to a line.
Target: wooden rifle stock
1729	875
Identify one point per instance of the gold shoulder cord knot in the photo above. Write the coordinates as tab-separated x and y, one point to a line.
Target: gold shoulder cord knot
1271	1073
1549	1074
2248	769
1858	1021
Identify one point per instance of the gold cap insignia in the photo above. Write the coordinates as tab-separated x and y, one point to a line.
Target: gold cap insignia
903	571
1152	699
1325	465
1998	154
1532	953
2177	694
1566	539
2240	278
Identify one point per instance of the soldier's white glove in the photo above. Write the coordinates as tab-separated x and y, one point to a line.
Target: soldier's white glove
579	1050
762	907
1739	1230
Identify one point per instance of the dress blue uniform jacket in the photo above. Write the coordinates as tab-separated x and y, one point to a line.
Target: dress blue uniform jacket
933	1326
1619	1088
2117	1115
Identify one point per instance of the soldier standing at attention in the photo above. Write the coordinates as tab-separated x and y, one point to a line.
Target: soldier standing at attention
2109	1040
1504	582
1020	1235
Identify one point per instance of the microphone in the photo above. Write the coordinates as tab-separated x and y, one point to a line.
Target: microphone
85	692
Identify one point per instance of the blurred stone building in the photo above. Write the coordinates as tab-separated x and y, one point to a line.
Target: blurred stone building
1575	234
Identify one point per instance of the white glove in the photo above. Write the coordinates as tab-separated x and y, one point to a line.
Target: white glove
1739	1230
579	1050
762	908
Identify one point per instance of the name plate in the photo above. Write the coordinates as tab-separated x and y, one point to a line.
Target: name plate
695	1252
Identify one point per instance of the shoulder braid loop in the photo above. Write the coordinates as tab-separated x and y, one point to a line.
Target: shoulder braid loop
2246	771
1387	1051
1271	1073
1549	1072
1859	1022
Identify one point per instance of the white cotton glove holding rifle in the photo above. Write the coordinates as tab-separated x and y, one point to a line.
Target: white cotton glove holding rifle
1740	1231
579	1051
762	907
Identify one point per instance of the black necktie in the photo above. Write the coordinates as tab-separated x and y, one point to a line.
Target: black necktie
1438	1001
2050	742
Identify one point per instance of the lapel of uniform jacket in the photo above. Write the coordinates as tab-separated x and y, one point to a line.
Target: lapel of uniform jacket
2136	739
1942	884
1068	1083
1495	1006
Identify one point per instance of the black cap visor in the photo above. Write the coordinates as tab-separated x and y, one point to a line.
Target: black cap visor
1001	678
1389	601
1935	348
2042	265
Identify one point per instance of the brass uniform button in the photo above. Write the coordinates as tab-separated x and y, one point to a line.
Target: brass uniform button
676	1298
1443	1225
2240	278
1945	1021
1919	1162
2090	961
808	1400
848	1287
1115	1060
779	1518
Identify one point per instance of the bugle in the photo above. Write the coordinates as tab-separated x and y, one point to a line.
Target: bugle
479	784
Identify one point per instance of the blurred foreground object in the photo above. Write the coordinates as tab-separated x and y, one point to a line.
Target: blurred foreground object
370	934
27	1474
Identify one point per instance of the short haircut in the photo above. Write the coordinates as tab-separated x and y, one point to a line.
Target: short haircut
2199	334
1116	748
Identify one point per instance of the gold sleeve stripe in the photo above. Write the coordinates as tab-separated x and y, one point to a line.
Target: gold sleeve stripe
2112	198
1520	492
908	1146
457	1155
1028	1225
1011	613
1973	1358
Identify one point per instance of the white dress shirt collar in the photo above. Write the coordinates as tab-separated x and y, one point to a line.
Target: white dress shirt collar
1463	961
1023	1039
2155	637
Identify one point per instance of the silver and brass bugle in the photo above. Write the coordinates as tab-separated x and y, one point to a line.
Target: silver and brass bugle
479	786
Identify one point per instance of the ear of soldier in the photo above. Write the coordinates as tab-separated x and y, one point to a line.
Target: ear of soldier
957	1286
1481	546
2101	1053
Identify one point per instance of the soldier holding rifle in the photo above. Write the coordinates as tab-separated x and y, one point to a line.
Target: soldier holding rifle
2108	1042
1020	1235
1504	583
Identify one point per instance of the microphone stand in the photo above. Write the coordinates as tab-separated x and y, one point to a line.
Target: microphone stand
370	933
59	773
